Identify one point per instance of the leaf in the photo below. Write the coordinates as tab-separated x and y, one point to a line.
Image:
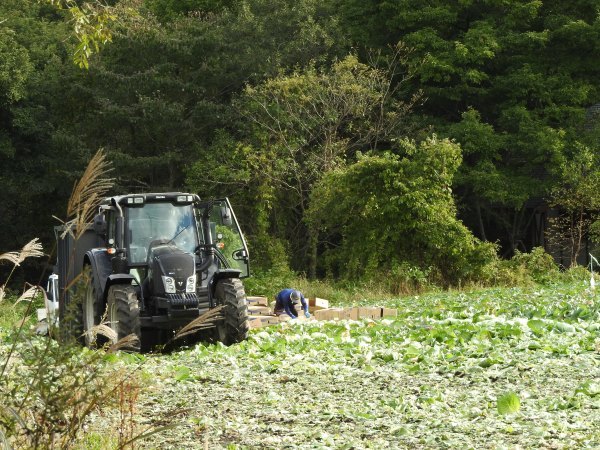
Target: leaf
589	388
182	373
564	327
508	403
537	326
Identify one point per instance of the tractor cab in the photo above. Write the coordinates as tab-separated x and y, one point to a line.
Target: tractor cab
151	221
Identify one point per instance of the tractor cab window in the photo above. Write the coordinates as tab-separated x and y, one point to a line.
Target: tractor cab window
159	222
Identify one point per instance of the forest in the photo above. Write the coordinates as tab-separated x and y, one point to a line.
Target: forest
357	140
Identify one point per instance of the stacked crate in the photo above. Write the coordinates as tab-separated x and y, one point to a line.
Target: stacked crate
261	315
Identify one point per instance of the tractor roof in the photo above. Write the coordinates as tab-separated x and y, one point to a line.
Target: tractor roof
167	197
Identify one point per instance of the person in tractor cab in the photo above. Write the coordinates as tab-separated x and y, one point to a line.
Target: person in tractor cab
286	301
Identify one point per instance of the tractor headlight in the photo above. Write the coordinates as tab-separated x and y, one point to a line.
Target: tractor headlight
190	287
169	284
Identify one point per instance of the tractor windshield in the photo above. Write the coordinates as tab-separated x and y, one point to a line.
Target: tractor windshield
159	221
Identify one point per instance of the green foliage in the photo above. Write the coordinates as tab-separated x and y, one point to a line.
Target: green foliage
47	389
15	68
449	360
395	209
509	81
167	10
257	100
577	198
39	405
526	269
299	126
93	24
508	403
13	312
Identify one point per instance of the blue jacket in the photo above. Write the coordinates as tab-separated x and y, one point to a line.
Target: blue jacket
284	302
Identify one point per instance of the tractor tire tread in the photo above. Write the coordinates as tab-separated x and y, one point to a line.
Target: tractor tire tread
127	311
230	293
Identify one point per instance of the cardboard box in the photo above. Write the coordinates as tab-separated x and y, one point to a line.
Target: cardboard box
259	310
350	314
255	322
316	303
370	312
337	313
321	314
257	301
263	321
389	312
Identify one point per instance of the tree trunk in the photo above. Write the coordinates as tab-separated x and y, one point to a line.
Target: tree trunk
480	219
312	252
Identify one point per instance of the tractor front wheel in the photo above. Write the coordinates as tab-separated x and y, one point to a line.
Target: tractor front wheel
230	294
124	316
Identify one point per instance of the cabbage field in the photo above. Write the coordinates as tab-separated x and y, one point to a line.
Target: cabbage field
493	369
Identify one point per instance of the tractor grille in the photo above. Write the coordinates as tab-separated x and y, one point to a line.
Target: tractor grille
182	299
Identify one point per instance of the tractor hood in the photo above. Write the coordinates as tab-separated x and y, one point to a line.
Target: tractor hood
172	270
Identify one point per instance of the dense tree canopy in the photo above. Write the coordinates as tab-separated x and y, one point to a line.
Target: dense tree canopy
510	81
274	102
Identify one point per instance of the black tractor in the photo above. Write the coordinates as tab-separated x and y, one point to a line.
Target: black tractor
151	264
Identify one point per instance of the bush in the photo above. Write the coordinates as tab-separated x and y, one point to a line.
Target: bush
577	274
394	214
525	269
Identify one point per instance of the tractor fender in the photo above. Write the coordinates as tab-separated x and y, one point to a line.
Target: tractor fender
102	275
99	261
117	278
220	275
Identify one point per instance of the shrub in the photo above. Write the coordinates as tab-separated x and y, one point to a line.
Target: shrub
395	213
525	269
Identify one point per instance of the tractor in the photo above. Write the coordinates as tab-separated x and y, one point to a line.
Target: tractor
151	264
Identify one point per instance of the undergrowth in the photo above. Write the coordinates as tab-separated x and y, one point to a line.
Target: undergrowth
523	270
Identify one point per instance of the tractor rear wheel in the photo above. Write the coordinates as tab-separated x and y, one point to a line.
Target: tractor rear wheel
124	315
89	309
71	310
234	328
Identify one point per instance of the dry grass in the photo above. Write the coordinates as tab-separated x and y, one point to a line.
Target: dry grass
129	342
32	249
200	323
31	292
87	193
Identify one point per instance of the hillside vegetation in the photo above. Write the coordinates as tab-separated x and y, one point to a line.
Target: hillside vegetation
440	127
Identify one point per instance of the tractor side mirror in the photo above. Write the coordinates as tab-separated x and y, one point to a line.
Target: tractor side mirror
240	255
100	225
226	218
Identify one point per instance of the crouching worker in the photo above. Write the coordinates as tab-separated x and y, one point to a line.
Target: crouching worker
287	300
